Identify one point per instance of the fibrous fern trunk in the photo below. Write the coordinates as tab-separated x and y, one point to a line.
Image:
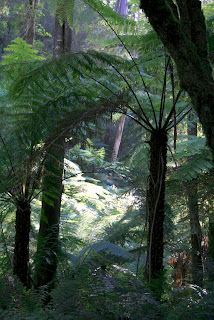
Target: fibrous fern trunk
155	200
47	249
21	250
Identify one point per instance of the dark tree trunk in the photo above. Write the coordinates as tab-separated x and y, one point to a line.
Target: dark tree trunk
47	249
156	200
21	251
196	234
182	29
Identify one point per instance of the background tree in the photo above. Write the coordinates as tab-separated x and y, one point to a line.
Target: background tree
121	8
31	16
196	233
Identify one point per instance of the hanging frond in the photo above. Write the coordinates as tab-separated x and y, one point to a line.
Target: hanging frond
107	251
198	156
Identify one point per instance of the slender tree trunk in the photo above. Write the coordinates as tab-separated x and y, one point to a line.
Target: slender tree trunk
121	8
118	139
47	249
156	201
21	251
196	234
31	15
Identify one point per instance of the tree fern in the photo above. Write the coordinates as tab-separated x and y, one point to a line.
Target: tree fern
200	159
65	10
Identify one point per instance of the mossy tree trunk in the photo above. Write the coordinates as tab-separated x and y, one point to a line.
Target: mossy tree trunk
48	247
156	201
182	29
21	250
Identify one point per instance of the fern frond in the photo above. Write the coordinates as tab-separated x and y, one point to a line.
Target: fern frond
65	9
110	249
198	156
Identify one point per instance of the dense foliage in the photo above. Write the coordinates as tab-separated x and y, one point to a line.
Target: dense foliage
85	234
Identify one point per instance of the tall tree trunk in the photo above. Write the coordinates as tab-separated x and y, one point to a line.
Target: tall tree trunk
121	8
182	29
47	249
196	234
21	251
31	16
156	201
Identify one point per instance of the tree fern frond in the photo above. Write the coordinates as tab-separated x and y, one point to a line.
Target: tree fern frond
200	164
65	9
197	158
111	250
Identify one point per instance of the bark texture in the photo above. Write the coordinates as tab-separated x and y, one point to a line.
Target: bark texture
31	16
21	250
156	197
47	249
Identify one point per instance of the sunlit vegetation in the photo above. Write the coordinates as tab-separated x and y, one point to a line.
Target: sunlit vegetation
106	166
